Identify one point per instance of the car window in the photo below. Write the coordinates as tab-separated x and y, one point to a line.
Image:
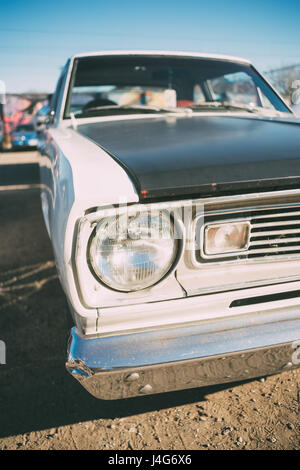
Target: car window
55	96
24	128
58	90
104	85
237	88
90	97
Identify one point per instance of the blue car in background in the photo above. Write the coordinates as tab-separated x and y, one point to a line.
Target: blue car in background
24	135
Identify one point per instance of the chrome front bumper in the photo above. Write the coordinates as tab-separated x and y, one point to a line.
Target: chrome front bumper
207	353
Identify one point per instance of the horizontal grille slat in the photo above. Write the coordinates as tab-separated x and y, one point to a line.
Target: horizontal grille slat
274	240
280	215
280	223
274	231
276	249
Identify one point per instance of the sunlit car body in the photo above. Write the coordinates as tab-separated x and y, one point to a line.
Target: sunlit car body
24	135
170	193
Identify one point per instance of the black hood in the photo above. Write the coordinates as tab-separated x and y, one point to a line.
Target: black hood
172	157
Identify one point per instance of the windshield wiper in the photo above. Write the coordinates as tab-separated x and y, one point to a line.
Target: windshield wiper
131	108
215	105
223	105
141	108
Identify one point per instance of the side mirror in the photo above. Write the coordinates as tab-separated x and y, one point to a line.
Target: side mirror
50	116
41	120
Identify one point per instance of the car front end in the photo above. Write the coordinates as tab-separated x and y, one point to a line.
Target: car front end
227	309
176	230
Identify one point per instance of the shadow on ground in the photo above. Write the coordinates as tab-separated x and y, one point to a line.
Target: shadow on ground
19	167
36	392
28	173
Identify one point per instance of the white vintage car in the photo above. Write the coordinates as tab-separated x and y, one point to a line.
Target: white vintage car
170	191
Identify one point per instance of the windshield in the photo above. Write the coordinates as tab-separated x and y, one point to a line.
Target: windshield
24	128
109	85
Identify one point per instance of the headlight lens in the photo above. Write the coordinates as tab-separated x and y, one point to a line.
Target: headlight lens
133	253
226	238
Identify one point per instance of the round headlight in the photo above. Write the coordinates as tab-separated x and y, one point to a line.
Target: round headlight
133	253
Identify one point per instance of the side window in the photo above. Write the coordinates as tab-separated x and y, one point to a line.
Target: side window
56	94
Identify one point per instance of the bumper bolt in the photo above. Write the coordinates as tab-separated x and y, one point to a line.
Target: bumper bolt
146	389
132	377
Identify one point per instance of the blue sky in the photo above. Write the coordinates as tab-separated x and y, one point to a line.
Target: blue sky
36	37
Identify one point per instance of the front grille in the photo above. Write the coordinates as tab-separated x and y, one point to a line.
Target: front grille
274	232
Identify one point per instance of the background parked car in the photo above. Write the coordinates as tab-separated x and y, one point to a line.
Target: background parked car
24	135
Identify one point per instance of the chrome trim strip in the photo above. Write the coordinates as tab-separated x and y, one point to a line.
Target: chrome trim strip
270	216
275	250
132	382
275	240
190	356
276	232
274	224
238	200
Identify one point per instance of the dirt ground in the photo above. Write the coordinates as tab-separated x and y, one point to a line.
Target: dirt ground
43	407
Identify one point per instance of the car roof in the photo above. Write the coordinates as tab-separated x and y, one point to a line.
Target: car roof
162	53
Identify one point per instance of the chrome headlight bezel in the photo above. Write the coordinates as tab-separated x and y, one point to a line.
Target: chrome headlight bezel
90	291
214	252
176	241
